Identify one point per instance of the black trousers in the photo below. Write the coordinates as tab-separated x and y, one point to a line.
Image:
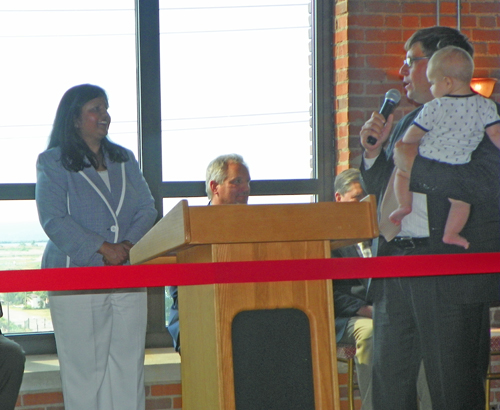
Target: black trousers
412	322
11	372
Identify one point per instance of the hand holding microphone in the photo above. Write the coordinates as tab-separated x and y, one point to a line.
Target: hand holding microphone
392	98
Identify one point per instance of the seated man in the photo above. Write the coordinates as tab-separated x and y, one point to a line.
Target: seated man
227	182
11	371
353	314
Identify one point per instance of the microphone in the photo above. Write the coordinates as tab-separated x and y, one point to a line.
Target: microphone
392	98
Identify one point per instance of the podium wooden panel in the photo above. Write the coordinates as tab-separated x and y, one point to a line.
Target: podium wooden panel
252	233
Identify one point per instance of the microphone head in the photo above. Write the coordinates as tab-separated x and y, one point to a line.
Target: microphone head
393	95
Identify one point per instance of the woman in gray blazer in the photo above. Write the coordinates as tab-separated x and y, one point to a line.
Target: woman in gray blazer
94	204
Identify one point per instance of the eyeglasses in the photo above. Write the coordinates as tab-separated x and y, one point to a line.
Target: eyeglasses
410	60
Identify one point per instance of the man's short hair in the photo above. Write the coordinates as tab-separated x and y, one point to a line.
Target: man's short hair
438	37
217	170
345	179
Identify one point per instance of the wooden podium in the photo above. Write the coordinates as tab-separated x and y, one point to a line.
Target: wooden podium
257	346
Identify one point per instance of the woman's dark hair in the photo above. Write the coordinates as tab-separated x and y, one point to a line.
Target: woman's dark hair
75	154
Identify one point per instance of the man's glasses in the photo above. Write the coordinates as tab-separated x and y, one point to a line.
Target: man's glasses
410	60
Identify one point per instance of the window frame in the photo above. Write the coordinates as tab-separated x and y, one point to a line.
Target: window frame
149	132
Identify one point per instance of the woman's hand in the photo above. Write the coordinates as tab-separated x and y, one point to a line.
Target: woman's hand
115	253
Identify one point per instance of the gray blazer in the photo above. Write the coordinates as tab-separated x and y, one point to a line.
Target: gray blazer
79	213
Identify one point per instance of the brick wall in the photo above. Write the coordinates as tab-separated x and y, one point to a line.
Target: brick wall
495	384
369	49
158	397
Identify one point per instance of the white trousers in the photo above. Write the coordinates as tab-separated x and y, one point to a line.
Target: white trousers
100	341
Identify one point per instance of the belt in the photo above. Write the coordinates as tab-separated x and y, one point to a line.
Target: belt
407	242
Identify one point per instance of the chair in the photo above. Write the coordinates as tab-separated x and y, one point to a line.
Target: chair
494	351
345	354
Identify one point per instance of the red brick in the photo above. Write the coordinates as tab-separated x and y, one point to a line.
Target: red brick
493	48
383	35
341	117
341	104
356	6
177	403
166	390
382	88
370	103
366	20
341	89
356	88
485	35
341	52
364	74
449	21
342	132
341	75
340	168
410	21
357	116
448	7
393	21
490	61
355	34
340	22
357	61
426	21
367	48
485	7
383	7
341	62
42	398
158	404
384	62
465	10
482	48
343	156
340	7
396	49
471	22
418	8
341	35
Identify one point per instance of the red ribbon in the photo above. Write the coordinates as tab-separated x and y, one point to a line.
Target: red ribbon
237	272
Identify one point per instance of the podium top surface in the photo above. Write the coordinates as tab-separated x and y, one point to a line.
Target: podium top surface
187	225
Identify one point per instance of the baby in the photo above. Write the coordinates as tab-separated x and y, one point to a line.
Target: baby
448	129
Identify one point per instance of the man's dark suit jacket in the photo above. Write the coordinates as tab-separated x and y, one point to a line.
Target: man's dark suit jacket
349	295
477	183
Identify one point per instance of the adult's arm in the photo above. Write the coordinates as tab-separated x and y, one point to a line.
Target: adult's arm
51	195
145	214
345	303
378	175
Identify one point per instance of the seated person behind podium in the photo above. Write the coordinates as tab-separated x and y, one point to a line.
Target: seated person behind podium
227	183
353	315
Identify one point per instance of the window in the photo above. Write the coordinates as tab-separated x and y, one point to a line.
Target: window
235	78
47	48
56	44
